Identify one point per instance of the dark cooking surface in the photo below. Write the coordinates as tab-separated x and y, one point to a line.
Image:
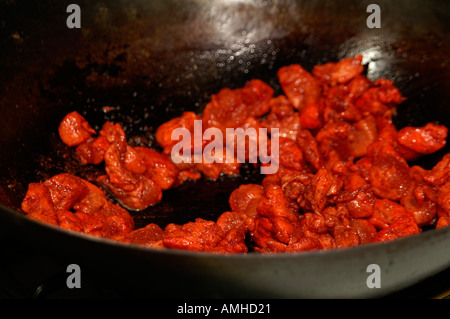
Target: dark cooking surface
138	58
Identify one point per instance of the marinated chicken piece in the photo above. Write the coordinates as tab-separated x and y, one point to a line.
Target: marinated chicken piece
340	100
294	185
232	242
299	86
135	175
234	226
400	228
321	191
226	110
93	201
236	223
209	170
354	181
66	190
246	140
315	235
337	106
443	199
193	165
356	87
333	140
386	129
38	204
315	223
71	221
359	232
362	204
442	222
136	194
344	141
362	134
150	236
118	222
389	172
387	212
380	98
343	71
310	149
362	167
74	129
230	108
214	170
277	225
164	131
245	199
305	243
365	230
291	156
92	151
232	222
336	215
420	201
158	167
284	117
227	235
422	140
201	235
256	95
124	174
440	172
75	204
311	116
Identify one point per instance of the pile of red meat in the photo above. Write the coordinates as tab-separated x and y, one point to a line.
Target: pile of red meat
343	177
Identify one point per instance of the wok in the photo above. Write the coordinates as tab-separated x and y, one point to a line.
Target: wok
151	60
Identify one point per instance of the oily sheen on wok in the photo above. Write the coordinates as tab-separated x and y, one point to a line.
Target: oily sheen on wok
344	176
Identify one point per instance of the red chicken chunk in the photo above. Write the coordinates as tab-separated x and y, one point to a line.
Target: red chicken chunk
158	167
389	172
75	204
74	129
245	199
92	151
277	225
300	87
386	212
150	236
284	117
422	140
380	98
230	108
38	204
201	235
164	131
440	172
339	72
401	228
134	191
420	201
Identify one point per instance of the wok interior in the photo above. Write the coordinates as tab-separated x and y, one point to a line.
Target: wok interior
150	61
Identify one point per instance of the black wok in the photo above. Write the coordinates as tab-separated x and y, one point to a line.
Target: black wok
150	61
